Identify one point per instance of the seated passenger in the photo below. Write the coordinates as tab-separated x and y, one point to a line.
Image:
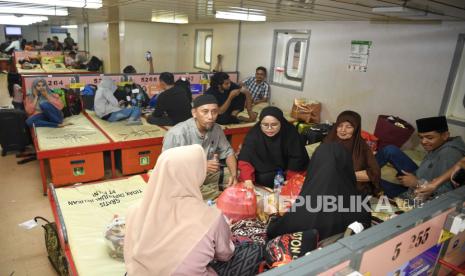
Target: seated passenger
456	174
172	106
29	46
331	174
348	131
272	144
129	70
172	231
258	87
202	130
186	85
106	106
75	60
443	152
231	100
42	106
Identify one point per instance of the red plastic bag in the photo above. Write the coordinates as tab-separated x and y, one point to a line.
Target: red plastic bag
372	140
238	202
293	186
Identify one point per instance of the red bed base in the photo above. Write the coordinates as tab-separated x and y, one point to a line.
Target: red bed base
112	146
61	227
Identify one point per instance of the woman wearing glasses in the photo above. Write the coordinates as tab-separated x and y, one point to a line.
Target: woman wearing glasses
272	144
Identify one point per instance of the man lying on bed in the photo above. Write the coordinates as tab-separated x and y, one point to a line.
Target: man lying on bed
443	152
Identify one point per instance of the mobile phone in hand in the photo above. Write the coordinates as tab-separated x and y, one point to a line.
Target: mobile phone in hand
148	55
459	177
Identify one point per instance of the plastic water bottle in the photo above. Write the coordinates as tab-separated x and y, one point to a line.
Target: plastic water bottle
278	180
278	183
420	184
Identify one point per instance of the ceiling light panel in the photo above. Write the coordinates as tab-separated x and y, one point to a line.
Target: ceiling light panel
69	26
239	16
89	4
165	16
21	20
7	8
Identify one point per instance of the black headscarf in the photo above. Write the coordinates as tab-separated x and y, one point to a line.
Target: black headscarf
362	157
330	172
285	150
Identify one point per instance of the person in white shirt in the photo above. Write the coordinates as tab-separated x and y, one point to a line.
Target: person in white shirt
15	45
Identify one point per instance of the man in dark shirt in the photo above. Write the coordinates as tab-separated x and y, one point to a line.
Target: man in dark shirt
172	105
231	100
69	42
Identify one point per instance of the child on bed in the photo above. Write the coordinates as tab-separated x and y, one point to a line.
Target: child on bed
108	108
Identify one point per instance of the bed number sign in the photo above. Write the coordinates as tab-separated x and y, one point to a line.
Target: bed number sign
54	82
78	171
404	247
144	160
148	79
416	240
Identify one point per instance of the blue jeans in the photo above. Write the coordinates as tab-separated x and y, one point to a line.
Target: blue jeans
50	116
400	161
133	113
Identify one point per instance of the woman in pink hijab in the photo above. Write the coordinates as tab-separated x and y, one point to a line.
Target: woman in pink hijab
172	231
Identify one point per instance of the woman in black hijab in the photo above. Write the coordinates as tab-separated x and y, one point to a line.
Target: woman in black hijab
348	131
272	144
330	173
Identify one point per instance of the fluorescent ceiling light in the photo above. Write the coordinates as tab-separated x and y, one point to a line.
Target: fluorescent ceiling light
21	20
399	11
247	9
89	4
69	26
240	16
42	10
172	17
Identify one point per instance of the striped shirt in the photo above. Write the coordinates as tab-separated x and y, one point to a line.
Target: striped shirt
258	90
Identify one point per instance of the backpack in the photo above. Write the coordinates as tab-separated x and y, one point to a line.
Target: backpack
142	98
61	94
315	133
88	96
73	103
124	93
55	253
94	64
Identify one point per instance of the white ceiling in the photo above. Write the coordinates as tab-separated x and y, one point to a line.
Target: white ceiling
202	11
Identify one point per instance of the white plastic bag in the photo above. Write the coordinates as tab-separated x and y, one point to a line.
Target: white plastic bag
114	237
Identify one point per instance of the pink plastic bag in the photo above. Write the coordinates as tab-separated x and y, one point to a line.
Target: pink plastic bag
238	202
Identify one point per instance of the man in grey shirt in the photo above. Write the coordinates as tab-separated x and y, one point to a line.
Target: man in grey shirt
202	130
